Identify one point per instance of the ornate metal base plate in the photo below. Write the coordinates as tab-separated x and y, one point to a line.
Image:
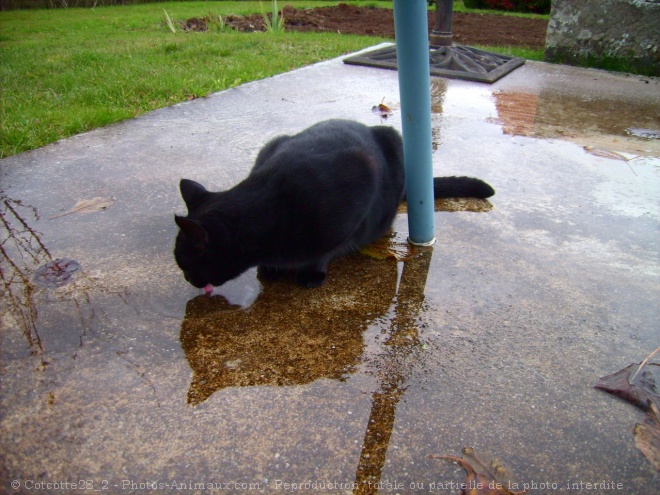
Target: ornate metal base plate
457	61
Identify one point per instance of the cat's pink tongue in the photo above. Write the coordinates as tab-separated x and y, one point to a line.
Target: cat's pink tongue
208	288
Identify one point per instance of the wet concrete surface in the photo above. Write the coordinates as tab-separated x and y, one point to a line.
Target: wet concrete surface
129	380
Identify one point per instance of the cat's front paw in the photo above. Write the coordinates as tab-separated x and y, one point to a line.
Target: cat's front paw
310	279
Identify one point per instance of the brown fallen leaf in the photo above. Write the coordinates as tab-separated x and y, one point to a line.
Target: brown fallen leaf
482	480
633	378
394	245
637	383
647	437
88	205
56	273
381	109
612	155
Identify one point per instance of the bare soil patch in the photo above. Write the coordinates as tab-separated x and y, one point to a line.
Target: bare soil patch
467	29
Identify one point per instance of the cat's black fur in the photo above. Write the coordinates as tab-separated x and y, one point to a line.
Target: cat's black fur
331	189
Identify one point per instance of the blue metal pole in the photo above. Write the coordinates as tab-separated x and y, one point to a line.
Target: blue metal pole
412	45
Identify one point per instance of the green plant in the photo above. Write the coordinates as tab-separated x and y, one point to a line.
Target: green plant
515	51
170	23
217	23
274	23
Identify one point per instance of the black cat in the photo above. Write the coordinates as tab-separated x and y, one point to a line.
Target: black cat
331	189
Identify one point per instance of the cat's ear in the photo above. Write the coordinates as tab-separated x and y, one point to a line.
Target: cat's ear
192	193
193	231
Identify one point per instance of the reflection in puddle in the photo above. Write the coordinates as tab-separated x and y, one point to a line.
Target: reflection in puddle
395	245
21	249
622	123
517	112
644	133
45	300
394	368
293	336
457	204
438	91
551	114
290	335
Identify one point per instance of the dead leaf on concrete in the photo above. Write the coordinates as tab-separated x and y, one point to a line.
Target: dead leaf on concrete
484	478
381	109
647	437
88	206
394	245
56	273
638	383
612	155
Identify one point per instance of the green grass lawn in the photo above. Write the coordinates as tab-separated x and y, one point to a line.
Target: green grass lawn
66	71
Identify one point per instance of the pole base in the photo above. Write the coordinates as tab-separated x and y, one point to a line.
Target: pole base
429	243
456	61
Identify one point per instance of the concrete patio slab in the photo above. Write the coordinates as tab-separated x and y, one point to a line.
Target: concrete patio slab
127	380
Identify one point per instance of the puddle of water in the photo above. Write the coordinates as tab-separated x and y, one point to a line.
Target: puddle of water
457	204
552	114
643	133
287	336
395	246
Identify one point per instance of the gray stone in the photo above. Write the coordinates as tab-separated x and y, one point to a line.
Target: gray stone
599	32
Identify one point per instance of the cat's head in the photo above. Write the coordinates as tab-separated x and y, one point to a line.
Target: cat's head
203	249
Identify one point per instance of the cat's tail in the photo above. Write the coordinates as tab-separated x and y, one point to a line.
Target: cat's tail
461	187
